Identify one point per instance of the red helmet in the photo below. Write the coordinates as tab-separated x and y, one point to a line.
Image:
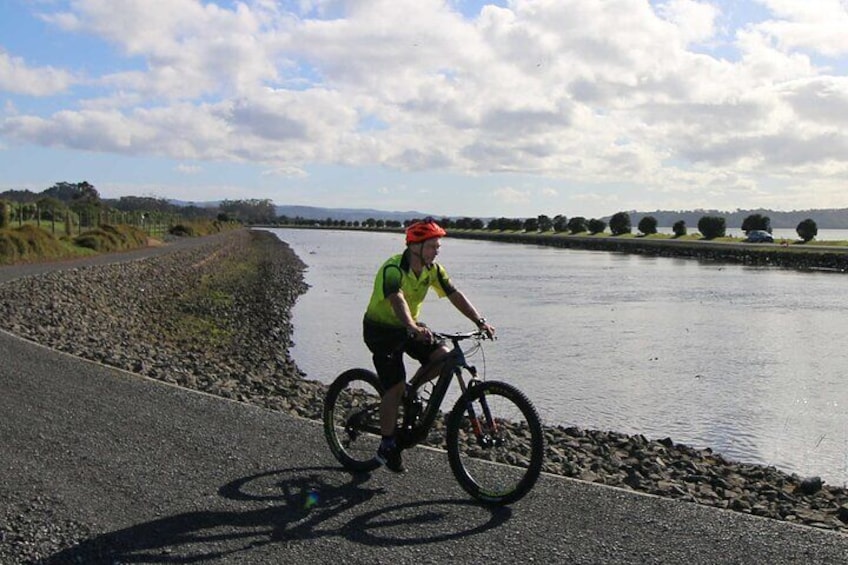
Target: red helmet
424	230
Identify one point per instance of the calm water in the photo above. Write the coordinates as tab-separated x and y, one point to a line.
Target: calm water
748	361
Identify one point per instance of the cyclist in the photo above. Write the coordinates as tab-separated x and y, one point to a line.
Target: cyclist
391	327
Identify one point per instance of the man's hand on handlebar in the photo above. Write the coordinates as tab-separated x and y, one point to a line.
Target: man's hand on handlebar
486	328
421	333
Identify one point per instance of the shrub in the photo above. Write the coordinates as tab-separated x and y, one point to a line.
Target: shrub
577	224
28	242
596	226
648	225
712	227
679	228
35	241
619	224
8	250
531	225
182	230
756	222
89	240
807	230
111	238
560	223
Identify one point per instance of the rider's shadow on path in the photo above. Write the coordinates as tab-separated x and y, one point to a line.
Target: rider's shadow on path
284	507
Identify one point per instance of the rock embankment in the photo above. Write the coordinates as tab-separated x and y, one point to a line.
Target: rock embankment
216	318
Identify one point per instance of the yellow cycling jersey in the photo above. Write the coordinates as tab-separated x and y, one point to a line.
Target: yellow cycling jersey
395	275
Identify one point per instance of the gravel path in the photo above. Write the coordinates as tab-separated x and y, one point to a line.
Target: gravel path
194	317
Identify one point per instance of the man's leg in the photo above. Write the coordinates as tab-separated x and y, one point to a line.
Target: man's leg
389	405
430	370
389	452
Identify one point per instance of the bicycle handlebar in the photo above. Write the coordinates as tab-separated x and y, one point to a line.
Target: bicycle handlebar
461	336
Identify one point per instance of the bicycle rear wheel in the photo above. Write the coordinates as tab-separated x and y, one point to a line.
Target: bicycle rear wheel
352	419
494	442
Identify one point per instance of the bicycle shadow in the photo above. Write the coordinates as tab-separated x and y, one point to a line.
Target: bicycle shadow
283	507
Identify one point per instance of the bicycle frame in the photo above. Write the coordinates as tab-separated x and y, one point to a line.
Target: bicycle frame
413	430
476	431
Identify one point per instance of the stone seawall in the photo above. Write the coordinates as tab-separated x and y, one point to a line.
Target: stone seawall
217	318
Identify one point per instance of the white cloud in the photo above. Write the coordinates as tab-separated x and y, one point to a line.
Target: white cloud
188	169
286	171
818	26
563	90
18	78
510	196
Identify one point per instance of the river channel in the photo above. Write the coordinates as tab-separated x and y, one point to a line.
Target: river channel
747	361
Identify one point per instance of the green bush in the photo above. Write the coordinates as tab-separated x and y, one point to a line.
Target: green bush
28	242
8	250
679	228
182	230
579	224
111	238
648	225
596	226
807	230
756	222
712	227
619	224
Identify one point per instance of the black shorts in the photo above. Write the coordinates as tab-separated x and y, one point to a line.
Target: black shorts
387	345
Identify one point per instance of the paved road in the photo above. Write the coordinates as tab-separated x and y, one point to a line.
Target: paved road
165	475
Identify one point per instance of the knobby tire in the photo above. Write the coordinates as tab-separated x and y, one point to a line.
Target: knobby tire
353	399
507	465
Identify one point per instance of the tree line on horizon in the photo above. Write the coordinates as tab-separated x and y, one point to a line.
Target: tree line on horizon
80	203
79	206
620	223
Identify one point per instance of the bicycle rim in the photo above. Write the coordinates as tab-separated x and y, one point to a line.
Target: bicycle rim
352	419
496	456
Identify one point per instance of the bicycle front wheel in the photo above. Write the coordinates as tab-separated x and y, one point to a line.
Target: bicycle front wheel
352	419
494	442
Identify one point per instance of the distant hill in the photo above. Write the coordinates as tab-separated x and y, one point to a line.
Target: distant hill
347	214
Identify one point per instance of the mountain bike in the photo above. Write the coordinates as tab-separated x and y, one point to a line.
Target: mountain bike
493	433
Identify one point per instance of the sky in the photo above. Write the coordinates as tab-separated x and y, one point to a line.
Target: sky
510	108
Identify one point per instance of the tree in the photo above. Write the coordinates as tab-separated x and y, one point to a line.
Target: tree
143	204
253	211
679	228
469	224
619	224
68	192
596	226
578	224
531	225
648	225
560	223
545	223
756	222
505	224
712	227
807	230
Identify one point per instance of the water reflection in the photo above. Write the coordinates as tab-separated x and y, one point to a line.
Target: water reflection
745	360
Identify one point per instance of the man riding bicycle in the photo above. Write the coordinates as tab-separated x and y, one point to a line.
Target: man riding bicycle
391	327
